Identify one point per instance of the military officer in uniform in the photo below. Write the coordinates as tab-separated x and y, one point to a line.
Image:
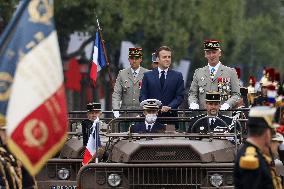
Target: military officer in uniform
151	108
93	113
252	168
212	124
128	83
214	77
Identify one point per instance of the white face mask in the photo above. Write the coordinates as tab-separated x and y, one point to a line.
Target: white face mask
151	118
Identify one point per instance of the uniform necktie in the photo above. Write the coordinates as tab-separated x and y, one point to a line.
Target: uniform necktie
162	78
149	128
212	73
212	121
134	74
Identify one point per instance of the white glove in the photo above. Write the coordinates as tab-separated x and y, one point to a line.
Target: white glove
116	114
225	106
193	106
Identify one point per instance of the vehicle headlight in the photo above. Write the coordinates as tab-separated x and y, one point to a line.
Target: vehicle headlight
63	174
216	180
114	179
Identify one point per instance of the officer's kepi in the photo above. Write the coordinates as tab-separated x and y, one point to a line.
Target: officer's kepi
135	52
213	97
211	45
93	106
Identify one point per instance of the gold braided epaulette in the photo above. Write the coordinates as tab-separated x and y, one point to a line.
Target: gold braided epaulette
249	160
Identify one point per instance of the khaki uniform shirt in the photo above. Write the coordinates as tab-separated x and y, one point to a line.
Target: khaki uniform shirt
203	83
127	89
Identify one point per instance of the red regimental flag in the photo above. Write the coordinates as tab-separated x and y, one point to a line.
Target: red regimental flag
42	132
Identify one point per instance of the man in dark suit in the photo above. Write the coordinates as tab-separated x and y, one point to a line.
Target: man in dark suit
151	108
93	113
163	84
212	124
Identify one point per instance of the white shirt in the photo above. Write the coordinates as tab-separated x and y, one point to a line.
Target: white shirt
212	121
146	124
215	67
160	72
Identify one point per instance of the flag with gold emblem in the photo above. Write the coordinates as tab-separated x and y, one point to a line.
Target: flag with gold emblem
32	96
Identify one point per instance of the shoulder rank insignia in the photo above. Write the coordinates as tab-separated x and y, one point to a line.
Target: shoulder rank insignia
249	160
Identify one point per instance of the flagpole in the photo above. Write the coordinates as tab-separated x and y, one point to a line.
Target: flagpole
105	52
97	141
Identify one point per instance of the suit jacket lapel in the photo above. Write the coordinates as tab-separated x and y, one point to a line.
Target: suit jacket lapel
156	78
168	79
143	128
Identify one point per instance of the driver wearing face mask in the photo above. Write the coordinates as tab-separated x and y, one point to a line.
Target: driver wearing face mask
151	108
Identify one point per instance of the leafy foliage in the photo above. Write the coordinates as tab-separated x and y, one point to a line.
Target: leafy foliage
251	31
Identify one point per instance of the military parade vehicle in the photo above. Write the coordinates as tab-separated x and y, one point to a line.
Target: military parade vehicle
175	159
163	160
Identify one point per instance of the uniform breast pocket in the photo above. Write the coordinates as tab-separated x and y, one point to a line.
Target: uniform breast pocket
126	86
201	86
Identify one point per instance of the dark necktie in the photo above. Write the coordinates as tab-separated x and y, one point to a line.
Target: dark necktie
149	128
162	78
134	74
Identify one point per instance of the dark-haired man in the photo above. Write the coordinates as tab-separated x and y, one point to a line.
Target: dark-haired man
164	84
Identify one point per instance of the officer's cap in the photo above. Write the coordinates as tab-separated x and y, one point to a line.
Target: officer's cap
213	97
135	52
211	45
151	104
262	116
278	137
93	106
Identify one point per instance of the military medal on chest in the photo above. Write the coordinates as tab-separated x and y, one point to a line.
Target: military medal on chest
224	87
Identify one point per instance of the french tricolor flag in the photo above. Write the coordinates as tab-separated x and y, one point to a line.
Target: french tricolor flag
99	59
93	144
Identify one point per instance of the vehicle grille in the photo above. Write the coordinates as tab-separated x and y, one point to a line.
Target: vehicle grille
167	154
164	177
